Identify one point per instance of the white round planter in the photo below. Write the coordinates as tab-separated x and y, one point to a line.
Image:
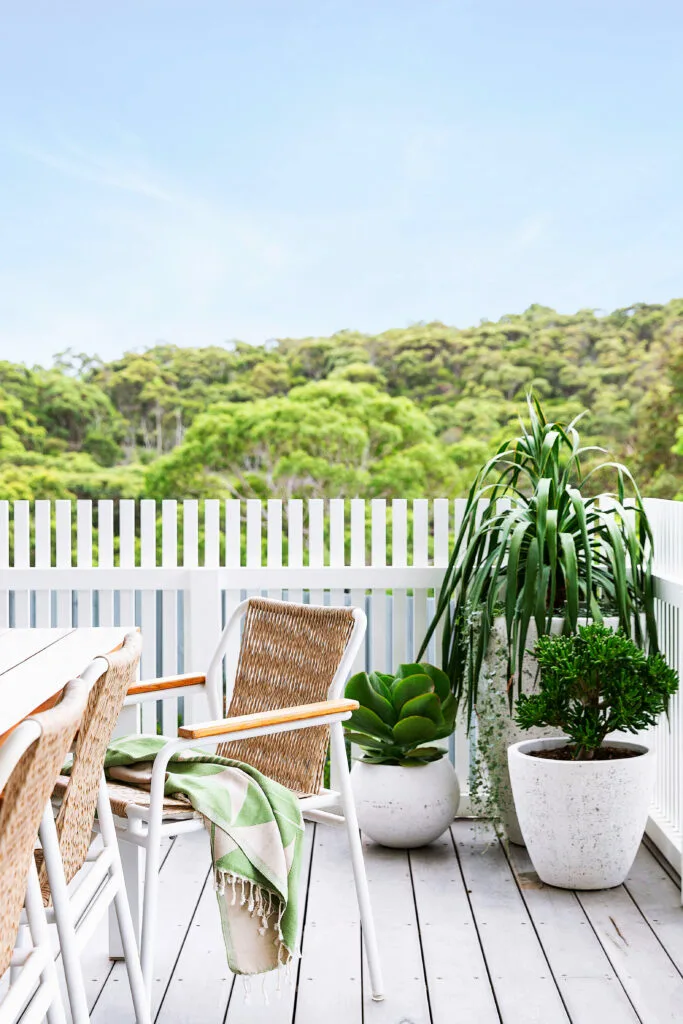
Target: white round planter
495	723
405	807
582	821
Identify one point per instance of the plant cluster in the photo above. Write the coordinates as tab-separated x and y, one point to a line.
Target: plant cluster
400	712
537	541
594	683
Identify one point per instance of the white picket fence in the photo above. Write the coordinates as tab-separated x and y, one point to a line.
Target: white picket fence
121	563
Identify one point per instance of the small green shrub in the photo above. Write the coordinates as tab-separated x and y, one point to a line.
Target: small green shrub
593	683
400	712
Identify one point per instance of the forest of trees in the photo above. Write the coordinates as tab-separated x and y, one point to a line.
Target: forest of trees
407	413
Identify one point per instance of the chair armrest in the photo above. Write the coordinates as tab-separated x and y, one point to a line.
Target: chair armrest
166	683
264	719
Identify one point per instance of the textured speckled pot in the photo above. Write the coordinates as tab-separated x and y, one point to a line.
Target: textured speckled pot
582	821
405	807
493	705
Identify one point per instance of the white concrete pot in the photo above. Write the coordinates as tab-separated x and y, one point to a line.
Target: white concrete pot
582	821
405	807
493	710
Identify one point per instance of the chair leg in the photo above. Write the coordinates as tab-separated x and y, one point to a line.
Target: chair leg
141	997
357	861
150	898
40	935
66	926
23	942
133	863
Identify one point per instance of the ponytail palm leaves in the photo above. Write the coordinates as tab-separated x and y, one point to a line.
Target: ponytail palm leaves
533	546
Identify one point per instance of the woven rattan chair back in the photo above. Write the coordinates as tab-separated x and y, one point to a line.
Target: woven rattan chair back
23	802
77	809
289	654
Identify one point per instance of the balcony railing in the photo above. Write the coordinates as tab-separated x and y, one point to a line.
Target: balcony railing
176	570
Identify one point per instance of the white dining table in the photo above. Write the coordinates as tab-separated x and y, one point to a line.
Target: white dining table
36	665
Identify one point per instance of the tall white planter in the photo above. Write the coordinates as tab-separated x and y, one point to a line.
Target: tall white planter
497	730
405	807
582	820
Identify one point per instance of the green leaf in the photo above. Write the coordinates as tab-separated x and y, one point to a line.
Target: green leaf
381	683
427	704
414	730
365	720
404	671
441	681
425	752
571	578
359	688
407	689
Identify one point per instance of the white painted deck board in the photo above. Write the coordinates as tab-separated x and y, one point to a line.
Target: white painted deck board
659	900
506	950
330	972
398	938
180	885
589	986
652	981
454	962
201	983
523	982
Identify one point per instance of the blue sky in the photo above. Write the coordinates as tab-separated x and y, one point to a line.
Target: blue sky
199	171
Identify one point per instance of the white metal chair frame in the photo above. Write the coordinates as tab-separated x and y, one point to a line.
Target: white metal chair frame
77	908
33	989
145	826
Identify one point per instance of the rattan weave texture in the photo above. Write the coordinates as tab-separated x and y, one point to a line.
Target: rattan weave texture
289	654
79	797
23	803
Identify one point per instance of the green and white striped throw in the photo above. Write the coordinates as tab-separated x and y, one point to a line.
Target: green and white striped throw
256	832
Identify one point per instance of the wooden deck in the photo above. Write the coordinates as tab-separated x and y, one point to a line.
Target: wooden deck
466	933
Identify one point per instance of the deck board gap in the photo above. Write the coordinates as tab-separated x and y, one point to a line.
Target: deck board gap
647	921
536	932
476	925
419	938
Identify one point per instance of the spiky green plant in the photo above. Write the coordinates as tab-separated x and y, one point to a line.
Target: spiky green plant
549	549
400	712
594	683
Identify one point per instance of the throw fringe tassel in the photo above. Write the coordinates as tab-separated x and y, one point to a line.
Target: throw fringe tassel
261	903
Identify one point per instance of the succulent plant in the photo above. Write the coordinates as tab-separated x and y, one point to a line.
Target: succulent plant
400	712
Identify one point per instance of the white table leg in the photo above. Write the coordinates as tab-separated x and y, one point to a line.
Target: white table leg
133	863
132	856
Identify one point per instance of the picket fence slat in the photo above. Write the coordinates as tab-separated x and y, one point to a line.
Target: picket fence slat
105	559
399	601
169	614
191	533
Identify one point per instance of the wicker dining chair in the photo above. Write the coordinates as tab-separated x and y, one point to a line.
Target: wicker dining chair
80	879
30	761
285	707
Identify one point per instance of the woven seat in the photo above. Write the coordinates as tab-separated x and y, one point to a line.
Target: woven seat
123	796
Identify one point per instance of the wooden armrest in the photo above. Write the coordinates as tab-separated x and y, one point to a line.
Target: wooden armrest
242	723
166	683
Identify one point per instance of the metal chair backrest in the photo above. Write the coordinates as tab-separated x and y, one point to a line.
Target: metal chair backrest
77	809
291	654
30	760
